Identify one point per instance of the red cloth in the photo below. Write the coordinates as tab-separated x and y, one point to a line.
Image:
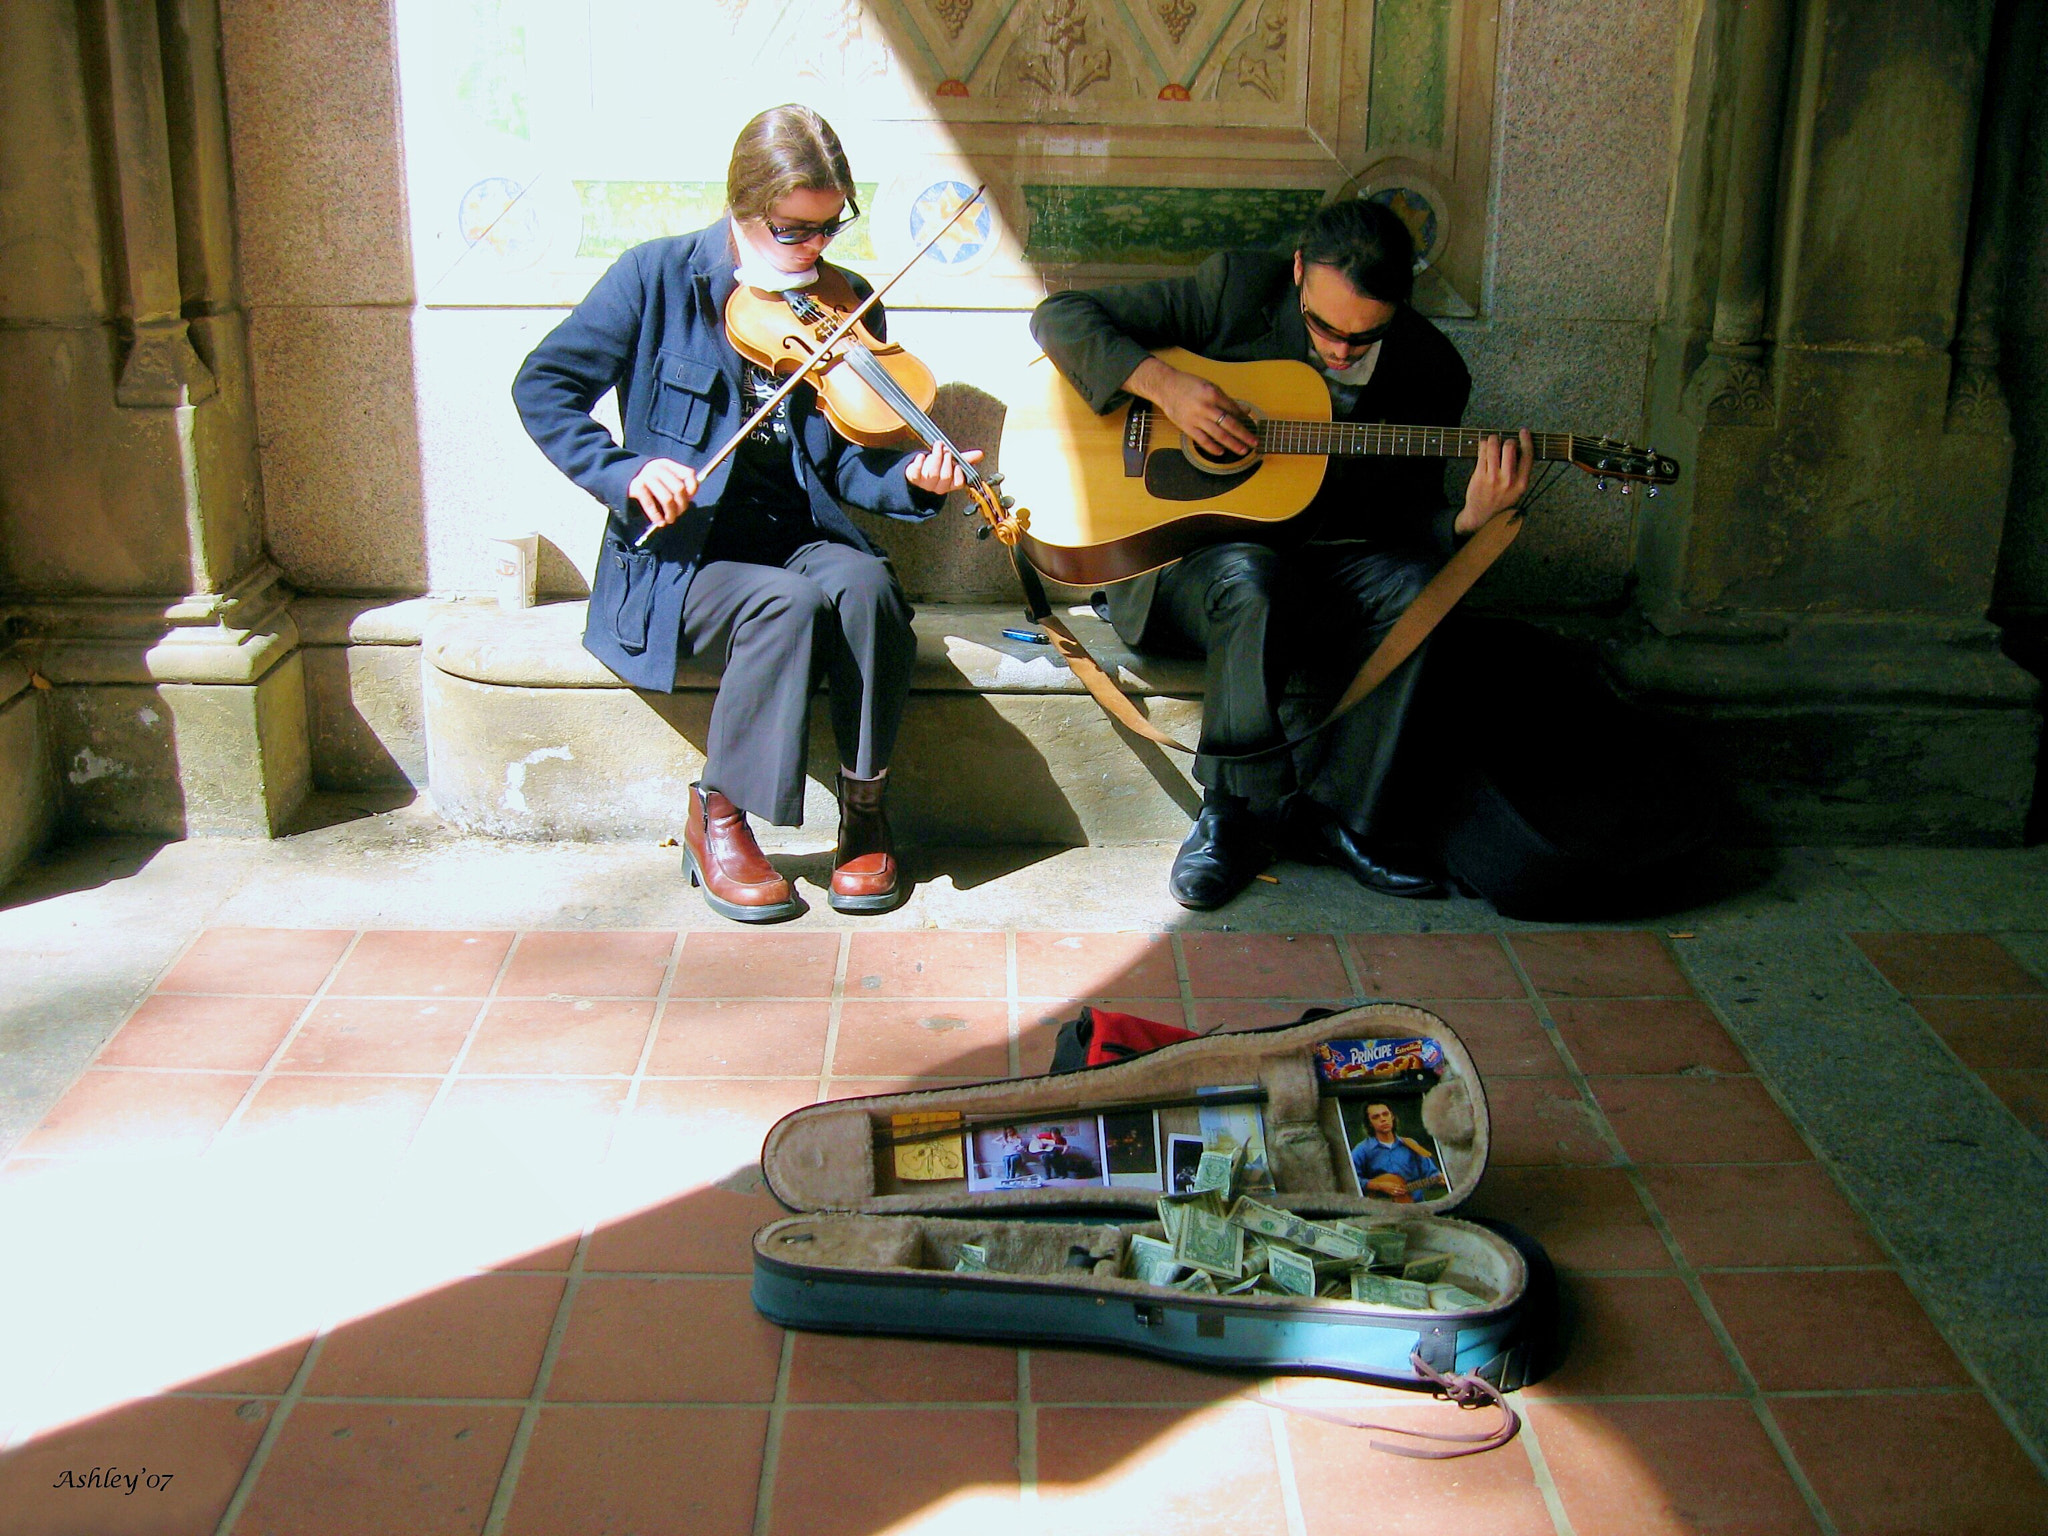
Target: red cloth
1119	1036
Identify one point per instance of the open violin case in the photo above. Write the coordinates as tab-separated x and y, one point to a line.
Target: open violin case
885	1241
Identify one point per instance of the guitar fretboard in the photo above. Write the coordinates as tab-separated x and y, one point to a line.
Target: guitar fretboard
1346	437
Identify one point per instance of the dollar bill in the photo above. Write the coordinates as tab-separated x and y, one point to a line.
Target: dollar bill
1255	1255
1454	1298
1207	1242
1199	1283
1171	1207
1152	1261
1427	1268
1292	1272
1218	1170
973	1259
1285	1227
1384	1291
1389	1244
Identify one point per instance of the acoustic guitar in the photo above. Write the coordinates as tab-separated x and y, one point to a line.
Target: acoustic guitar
1116	495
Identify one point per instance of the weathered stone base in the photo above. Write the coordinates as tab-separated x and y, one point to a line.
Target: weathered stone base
28	802
1842	734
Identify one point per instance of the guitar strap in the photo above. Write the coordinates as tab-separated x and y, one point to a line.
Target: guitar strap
1438	598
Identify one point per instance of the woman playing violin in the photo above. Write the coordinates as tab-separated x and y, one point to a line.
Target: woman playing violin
755	562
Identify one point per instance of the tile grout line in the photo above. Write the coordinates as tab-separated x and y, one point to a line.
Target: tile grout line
1012	1006
268	1069
1283	1463
1027	1435
454	1072
1352	974
529	1414
771	1441
834	1009
1539	1471
245	1487
1686	1274
662	996
1182	979
2038	1456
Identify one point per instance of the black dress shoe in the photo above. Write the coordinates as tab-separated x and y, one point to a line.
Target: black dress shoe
1222	853
1345	849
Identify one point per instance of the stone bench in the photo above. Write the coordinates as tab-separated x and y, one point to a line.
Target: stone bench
519	732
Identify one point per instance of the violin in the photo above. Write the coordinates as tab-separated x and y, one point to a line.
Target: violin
873	392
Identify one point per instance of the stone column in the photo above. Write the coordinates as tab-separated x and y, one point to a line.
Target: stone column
1816	588
131	549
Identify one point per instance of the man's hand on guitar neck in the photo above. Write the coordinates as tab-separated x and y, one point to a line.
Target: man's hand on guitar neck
1216	422
1499	480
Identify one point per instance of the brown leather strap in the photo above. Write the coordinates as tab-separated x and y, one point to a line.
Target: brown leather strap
1466	1391
1444	592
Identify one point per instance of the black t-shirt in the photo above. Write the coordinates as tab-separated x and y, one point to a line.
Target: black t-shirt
764	516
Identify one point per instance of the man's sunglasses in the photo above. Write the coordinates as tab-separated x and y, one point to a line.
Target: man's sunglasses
798	233
1329	332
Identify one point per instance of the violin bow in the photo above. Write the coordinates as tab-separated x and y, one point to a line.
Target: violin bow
824	350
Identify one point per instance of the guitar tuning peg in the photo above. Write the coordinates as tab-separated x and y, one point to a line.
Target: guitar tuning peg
983	531
1627	486
1650	491
1600	484
1007	503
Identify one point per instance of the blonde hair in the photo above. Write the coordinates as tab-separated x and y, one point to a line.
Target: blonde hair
783	150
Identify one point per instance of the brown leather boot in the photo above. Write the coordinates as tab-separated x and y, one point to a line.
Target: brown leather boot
864	868
720	854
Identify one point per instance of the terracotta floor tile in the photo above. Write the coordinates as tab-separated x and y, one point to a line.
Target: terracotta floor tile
939	1039
1627	1335
138	1114
1540	1121
1645	1035
1832	1329
1504	1038
1096	964
702	1124
221	1034
396	963
1040	1018
265	1375
845	1472
1946	964
1668	1469
926	964
706	1231
1697	1120
555	1122
1227	1015
479	1337
291	961
850	1368
651	1471
749	1039
204	1444
1167	1472
1585	1218
1339	1476
665	1341
583	1037
381	1036
585	963
719	964
1739	1216
1110	1376
336	1116
1868	1459
875	1087
1407	966
344	1469
2025	1094
1987	1033
1596	964
1302	965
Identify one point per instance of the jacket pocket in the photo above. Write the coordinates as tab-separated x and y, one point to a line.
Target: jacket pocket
683	391
624	595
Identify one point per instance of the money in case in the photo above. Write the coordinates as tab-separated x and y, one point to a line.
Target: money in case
1280	1200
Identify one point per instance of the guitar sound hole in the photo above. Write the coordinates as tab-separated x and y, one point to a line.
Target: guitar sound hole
1170	477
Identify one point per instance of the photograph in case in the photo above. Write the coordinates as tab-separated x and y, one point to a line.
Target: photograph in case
1130	1149
1391	1156
1035	1154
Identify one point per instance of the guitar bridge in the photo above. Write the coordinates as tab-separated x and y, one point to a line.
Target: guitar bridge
1137	438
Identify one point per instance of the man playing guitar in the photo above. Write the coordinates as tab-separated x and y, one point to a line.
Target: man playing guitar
1353	561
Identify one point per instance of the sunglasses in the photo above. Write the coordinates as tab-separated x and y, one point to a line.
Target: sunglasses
798	232
1329	332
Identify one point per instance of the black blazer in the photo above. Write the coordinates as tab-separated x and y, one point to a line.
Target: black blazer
1242	306
654	327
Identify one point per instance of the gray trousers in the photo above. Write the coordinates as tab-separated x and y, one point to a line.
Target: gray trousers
1257	615
830	613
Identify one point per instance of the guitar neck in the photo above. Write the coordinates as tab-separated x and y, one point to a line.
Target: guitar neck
1352	439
